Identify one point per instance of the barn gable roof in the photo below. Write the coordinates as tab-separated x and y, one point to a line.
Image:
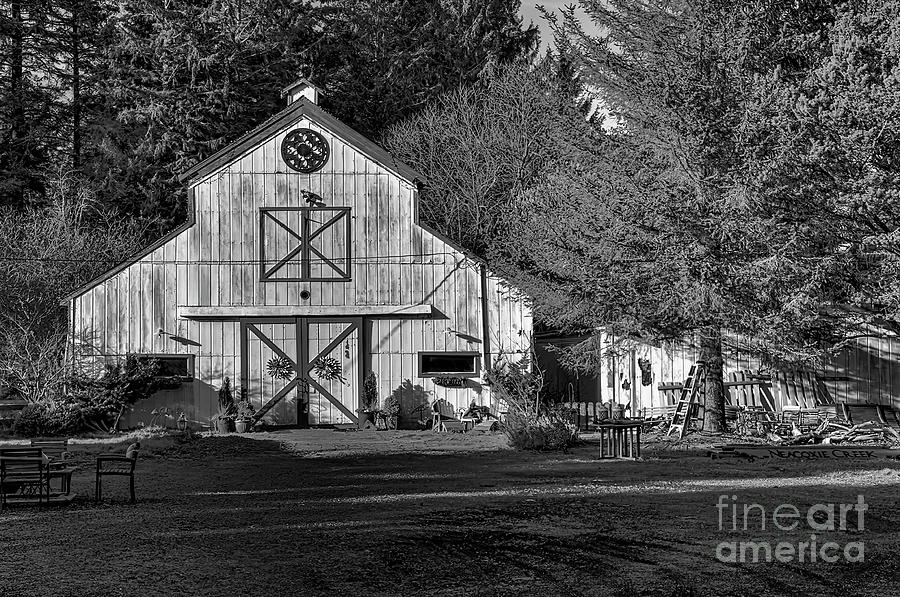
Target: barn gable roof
251	139
296	110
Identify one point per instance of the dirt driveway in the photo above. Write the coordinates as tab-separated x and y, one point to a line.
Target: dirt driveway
395	513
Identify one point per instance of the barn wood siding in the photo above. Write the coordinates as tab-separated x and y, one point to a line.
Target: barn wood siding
214	263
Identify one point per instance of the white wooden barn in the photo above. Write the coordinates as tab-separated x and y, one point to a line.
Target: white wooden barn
302	247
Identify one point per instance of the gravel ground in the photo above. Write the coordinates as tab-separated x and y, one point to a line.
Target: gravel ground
410	513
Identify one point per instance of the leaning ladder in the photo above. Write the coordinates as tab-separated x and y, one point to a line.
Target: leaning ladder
686	400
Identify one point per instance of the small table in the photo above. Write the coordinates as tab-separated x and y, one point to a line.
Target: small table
620	439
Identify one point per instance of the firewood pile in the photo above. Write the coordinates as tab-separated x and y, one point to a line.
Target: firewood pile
830	431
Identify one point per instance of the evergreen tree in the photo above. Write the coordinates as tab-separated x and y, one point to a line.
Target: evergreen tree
26	100
382	60
666	238
827	151
73	39
183	79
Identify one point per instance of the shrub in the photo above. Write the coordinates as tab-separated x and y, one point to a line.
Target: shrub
370	392
548	431
227	407
531	424
31	420
103	401
244	410
391	408
46	418
92	404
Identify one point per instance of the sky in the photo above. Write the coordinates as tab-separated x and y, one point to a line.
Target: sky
530	13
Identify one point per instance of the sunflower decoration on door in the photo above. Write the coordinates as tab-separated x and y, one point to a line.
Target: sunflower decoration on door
329	369
280	368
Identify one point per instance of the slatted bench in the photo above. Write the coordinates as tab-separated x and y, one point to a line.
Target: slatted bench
22	494
23	479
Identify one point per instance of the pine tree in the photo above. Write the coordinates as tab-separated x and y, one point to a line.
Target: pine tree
827	148
26	99
666	238
183	79
382	60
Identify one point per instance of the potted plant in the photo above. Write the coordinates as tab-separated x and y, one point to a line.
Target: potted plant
224	419
243	419
391	410
369	399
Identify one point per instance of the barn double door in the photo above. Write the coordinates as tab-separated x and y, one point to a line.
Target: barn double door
303	370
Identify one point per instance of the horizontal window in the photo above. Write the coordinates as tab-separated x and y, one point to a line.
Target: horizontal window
465	364
171	365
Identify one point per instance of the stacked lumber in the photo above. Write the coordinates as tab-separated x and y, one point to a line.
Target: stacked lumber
836	432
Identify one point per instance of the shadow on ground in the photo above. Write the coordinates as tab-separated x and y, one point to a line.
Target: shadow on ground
276	516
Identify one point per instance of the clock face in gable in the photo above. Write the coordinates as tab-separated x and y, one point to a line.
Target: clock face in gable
305	150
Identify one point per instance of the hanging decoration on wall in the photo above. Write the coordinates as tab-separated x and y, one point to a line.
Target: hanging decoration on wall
329	369
449	382
305	150
646	372
347	349
280	368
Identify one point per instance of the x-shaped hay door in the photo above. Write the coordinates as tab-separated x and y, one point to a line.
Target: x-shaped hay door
304	244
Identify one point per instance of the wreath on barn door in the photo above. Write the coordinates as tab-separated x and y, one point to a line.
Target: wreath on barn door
305	150
329	369
280	368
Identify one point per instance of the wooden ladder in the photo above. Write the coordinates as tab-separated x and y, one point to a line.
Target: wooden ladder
686	400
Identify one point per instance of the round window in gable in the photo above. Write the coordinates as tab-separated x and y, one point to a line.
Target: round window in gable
305	150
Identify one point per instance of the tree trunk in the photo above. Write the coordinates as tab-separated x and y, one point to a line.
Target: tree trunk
714	403
76	87
13	151
16	72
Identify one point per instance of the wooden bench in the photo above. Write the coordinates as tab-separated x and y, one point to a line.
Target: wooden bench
23	477
454	426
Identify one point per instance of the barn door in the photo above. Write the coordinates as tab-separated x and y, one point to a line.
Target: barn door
302	371
333	365
270	363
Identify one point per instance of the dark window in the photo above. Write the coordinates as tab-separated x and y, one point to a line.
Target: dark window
448	363
171	365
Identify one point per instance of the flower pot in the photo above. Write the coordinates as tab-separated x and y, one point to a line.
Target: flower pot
223	425
618	412
242	425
